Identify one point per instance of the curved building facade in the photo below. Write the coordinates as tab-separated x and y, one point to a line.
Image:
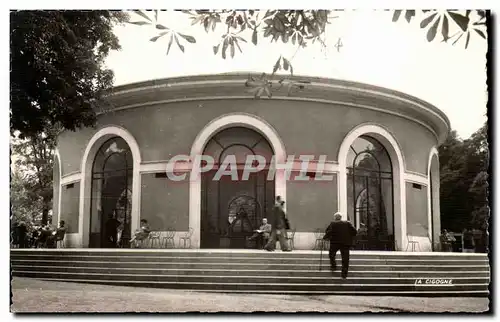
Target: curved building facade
330	145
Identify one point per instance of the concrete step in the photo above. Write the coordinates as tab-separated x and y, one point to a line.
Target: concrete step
248	272
338	285
143	253
330	291
262	266
333	279
298	272
243	259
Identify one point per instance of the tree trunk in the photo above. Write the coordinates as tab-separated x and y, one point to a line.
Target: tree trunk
45	211
45	215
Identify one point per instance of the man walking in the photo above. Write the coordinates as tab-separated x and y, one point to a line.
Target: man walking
278	224
341	235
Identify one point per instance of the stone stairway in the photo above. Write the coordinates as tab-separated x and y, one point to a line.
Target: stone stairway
251	271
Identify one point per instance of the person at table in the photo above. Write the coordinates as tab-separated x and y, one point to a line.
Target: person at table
262	234
142	233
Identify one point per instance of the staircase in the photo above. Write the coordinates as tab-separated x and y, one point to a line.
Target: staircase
251	271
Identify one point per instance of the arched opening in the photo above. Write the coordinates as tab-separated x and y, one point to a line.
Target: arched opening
370	200
231	208
111	195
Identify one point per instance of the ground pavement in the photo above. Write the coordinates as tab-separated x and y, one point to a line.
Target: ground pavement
31	295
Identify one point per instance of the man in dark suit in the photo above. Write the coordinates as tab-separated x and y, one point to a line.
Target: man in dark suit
341	235
278	224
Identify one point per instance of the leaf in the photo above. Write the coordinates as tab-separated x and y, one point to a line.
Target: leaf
427	20
396	15
480	33
142	14
268	92
291	69
458	39
242	39
206	23
140	23
190	39
232	49
461	20
159	36
409	14
431	34
170	43
181	47
445	28
277	65
467	40
254	37
285	64
259	92
156	15
237	44
196	20
224	48
216	49
161	27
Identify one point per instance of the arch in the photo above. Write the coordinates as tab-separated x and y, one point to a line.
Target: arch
433	193
89	155
399	189
223	122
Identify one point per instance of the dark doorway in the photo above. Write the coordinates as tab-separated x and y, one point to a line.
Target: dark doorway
370	194
111	195
232	209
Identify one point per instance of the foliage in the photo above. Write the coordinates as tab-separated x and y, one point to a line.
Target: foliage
33	173
299	27
468	24
57	69
464	181
24	207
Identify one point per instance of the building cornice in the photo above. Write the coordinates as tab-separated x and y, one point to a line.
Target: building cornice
231	86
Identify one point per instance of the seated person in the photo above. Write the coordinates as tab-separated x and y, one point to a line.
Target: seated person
262	234
141	233
61	231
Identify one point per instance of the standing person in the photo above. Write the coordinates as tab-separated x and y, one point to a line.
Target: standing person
278	230
468	237
341	235
447	241
111	227
22	234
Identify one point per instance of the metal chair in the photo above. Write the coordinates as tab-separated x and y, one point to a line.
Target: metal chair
413	243
60	243
318	234
186	238
169	238
154	239
290	235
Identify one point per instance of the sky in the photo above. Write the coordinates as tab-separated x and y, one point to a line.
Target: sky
374	50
